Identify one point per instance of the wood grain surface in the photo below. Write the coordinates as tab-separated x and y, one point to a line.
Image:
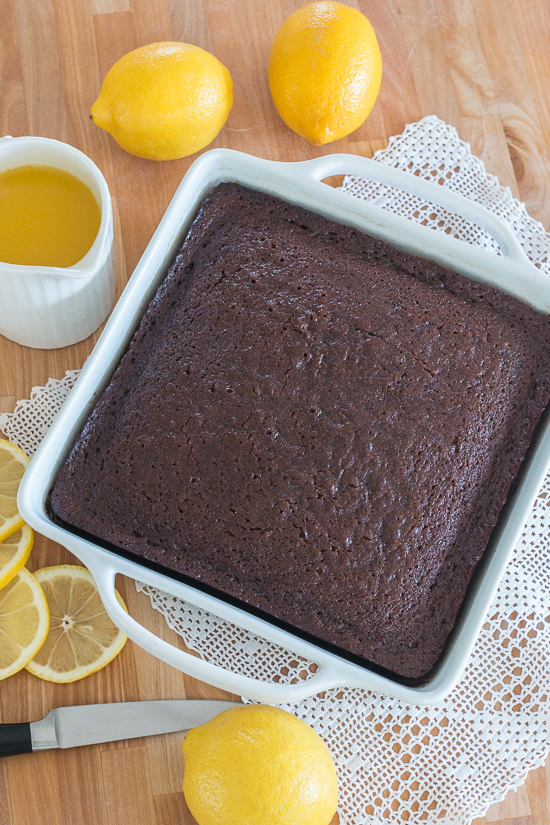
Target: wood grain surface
481	65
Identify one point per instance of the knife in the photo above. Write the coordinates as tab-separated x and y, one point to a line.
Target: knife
90	724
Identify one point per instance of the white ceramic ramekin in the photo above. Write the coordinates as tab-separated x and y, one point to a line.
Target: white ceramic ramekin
299	183
46	306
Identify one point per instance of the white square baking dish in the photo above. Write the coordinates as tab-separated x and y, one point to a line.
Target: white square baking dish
301	184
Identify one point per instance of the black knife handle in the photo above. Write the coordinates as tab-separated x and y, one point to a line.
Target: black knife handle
15	739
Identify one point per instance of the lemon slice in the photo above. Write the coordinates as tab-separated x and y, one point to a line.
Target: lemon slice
14	552
13	463
24	622
82	637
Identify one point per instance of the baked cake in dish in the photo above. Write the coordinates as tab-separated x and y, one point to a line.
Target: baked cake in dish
316	424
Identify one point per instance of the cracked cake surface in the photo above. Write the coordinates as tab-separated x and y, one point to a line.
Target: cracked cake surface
316	424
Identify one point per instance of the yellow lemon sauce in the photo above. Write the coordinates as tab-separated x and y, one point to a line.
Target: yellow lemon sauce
48	217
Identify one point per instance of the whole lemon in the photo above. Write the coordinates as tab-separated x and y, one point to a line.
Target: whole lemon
165	100
258	765
325	71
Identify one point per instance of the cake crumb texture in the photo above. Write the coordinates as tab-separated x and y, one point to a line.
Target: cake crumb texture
316	424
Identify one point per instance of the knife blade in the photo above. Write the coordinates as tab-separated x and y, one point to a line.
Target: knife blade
72	727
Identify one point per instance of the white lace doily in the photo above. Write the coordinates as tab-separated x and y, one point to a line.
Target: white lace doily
398	763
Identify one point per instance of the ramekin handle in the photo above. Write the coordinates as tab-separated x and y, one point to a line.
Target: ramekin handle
271	692
342	164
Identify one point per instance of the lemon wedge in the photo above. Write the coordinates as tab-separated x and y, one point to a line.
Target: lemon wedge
24	622
14	552
82	637
13	463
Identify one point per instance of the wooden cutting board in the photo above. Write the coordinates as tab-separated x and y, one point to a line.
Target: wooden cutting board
481	65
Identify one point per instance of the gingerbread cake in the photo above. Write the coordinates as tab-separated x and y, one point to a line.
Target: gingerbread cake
315	424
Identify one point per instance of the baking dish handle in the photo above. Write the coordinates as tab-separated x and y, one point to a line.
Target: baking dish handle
343	164
324	678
